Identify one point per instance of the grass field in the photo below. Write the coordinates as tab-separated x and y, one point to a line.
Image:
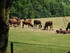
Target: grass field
41	41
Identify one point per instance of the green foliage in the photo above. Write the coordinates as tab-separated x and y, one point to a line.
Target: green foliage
40	8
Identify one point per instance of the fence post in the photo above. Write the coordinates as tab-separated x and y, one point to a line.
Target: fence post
69	52
11	47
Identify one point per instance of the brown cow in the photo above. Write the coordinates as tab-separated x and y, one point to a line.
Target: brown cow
48	23
14	21
62	31
37	22
68	26
27	23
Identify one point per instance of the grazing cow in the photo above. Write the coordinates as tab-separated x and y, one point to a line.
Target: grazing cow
14	21
37	22
48	23
27	23
68	26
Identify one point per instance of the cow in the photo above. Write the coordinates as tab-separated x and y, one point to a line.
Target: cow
48	23
37	22
62	31
68	26
27	23
14	21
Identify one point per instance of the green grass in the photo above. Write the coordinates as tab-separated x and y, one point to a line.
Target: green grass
41	41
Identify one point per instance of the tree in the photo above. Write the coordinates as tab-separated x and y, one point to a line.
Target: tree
40	8
4	28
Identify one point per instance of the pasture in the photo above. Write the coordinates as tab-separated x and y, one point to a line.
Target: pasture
41	41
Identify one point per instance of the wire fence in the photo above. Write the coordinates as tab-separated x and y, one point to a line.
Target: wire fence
17	47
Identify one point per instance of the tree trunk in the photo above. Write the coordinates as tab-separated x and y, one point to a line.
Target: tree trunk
4	28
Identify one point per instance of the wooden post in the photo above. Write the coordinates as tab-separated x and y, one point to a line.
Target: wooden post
69	52
11	47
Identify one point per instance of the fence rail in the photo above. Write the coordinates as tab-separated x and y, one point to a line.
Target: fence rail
12	44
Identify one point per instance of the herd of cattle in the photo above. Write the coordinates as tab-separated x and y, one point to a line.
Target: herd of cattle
16	22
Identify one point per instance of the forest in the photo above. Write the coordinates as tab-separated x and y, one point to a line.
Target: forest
40	8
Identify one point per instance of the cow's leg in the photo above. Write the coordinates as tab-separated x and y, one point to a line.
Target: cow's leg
18	24
39	26
23	25
44	27
11	24
34	25
15	25
47	27
28	25
51	28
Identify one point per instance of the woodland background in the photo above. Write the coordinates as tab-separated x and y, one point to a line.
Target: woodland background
40	8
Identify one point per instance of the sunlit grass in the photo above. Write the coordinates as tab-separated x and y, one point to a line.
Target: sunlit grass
41	39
